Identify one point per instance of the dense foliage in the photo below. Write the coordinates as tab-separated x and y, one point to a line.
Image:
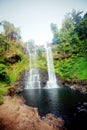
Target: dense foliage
70	53
12	57
69	46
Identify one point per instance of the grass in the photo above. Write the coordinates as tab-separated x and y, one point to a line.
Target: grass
9	72
42	64
72	68
3	91
15	69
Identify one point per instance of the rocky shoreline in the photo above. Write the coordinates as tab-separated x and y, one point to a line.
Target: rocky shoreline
15	115
80	86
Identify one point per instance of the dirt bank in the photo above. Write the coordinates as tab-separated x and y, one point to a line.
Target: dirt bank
15	115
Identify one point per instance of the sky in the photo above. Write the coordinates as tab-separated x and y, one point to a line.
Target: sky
35	16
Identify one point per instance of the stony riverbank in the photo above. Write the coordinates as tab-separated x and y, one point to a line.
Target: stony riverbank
76	85
15	115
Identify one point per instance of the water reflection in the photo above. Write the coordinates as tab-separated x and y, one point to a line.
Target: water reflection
64	102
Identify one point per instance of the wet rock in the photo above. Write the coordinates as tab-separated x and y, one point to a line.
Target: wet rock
43	77
55	122
76	85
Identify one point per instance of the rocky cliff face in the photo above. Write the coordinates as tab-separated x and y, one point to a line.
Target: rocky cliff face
15	115
77	85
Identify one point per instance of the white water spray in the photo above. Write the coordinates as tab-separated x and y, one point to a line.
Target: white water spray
32	75
52	81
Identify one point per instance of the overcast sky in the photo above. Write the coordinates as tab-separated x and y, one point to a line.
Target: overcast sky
34	16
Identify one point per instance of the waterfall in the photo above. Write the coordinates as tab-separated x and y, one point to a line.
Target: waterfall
52	81
32	79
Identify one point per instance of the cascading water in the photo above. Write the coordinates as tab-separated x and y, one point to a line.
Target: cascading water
32	76
52	81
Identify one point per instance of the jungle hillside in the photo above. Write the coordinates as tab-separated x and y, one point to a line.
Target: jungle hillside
69	47
13	59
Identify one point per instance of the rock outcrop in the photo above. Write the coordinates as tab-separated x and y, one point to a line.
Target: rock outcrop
76	85
15	115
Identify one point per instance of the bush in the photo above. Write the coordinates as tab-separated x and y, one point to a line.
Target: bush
3	74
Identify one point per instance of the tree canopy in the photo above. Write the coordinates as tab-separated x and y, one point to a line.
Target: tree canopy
74	28
11	32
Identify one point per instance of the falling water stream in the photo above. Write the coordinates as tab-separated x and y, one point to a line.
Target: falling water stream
52	81
32	75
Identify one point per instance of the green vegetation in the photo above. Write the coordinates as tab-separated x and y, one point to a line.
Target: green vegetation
70	47
13	60
3	90
41	59
74	68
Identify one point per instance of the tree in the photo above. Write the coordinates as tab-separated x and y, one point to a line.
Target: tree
11	32
81	28
76	16
55	33
67	29
67	34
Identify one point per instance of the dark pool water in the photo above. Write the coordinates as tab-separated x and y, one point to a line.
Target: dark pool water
69	104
